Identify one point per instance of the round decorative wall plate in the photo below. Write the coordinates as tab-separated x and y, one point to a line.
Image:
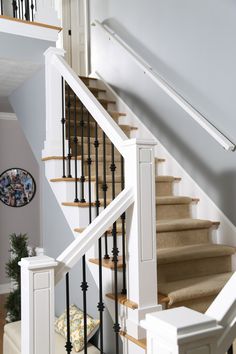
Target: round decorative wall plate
17	187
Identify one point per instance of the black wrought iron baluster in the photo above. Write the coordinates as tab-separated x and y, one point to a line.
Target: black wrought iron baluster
82	178
27	10
115	253
32	10
104	188
231	350
63	121
100	306
2	12
89	162
84	287
69	132
96	145
75	140
68	345
14	8
124	289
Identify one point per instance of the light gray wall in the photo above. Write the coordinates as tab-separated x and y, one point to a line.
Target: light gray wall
13	47
5	105
16	152
191	44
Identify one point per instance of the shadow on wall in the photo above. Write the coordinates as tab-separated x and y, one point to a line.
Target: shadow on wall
226	198
183	85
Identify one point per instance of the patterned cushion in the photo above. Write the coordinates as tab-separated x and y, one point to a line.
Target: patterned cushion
76	327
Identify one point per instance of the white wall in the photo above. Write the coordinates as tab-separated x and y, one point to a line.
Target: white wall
16	152
191	44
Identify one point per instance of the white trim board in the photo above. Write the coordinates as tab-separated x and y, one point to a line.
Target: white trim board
8	116
28	30
5	288
206	208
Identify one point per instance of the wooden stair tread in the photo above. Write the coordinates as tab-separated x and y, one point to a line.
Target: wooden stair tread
175	200
119	230
159	201
122	126
115	114
122	299
82	77
109	231
101	100
108	263
184	224
193	288
140	342
192	252
91	88
48	158
109	179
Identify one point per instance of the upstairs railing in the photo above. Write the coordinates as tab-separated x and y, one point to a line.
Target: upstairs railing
42	12
114	177
20	9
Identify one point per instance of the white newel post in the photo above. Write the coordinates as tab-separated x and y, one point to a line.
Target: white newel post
181	331
37	305
141	233
53	81
46	13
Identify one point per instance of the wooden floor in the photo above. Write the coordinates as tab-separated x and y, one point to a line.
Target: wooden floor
2	319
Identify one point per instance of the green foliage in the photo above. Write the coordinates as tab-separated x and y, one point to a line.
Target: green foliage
18	250
13	306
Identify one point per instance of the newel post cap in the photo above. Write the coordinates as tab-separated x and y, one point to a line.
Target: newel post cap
180	324
137	142
38	262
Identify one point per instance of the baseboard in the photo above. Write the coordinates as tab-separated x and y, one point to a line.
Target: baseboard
5	288
206	208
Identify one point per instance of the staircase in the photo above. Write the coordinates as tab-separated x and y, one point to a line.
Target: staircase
191	269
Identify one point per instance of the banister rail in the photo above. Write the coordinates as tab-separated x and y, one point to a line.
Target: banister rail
112	180
19	9
103	118
170	91
74	252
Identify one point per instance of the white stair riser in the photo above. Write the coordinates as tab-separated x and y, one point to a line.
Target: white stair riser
108	279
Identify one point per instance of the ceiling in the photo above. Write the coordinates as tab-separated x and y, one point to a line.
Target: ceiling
13	74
